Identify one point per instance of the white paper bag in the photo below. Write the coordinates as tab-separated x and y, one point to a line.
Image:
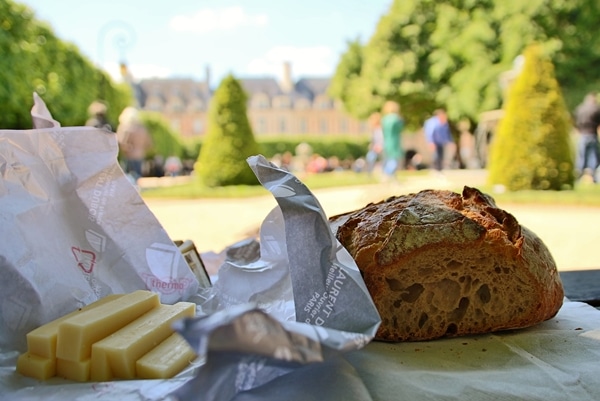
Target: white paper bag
74	228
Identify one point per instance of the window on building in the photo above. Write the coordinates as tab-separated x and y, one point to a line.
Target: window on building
261	126
154	104
344	125
260	101
196	105
303	126
197	126
302	104
322	102
283	125
323	126
282	102
175	105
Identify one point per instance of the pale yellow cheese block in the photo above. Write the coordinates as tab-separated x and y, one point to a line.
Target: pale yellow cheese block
73	370
166	359
42	341
116	355
36	366
77	334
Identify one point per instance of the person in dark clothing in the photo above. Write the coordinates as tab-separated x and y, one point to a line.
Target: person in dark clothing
97	116
438	135
587	121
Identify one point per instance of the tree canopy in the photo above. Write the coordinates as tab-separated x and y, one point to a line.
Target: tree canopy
35	60
427	53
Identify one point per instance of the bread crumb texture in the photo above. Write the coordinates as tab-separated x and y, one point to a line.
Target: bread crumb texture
438	263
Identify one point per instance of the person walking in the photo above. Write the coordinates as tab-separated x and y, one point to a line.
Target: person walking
438	135
376	143
97	112
392	125
134	141
587	121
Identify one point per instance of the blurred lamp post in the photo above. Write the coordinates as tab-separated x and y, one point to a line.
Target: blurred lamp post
122	36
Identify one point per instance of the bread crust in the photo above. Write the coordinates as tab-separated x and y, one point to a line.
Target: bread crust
438	263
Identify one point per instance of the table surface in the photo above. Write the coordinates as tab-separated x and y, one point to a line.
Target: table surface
582	286
543	356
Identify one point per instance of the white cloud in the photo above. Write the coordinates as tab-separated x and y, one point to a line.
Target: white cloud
207	20
305	61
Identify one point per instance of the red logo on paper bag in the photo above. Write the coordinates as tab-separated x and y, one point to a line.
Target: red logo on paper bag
86	260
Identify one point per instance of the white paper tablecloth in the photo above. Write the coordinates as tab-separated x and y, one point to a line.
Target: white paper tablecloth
556	360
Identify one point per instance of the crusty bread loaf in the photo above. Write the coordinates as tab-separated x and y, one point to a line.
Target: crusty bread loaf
440	264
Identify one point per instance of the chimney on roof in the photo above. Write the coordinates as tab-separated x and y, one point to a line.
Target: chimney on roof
207	76
287	85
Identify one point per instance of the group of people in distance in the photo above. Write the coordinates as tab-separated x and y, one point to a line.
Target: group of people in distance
386	144
388	125
134	142
587	122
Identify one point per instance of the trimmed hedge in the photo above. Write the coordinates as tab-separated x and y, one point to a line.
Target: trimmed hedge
532	147
229	139
341	147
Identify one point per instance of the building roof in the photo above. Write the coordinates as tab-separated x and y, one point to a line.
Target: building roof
267	86
312	87
188	90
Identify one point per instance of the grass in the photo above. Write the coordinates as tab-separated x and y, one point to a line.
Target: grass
584	194
194	189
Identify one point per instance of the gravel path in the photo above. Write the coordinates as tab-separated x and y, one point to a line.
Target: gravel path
571	233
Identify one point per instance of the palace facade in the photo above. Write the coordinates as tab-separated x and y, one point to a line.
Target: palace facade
274	107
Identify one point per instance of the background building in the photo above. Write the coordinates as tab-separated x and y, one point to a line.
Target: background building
274	107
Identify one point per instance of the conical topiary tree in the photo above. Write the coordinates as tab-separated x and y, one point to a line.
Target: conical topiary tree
229	139
532	148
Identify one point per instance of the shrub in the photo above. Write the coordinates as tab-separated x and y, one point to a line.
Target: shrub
166	142
532	147
326	146
229	139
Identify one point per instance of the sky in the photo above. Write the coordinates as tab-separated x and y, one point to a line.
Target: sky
187	38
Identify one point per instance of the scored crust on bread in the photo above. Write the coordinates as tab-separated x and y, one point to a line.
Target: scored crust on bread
438	263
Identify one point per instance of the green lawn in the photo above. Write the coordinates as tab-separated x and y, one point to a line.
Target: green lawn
583	194
194	189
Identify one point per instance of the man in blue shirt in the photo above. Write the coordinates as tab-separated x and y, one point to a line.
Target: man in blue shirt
438	135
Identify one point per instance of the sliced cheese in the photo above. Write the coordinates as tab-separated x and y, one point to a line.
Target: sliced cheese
77	333
166	359
42	341
116	355
73	370
36	366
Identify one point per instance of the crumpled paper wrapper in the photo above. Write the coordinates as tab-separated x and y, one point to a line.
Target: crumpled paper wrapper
74	229
298	287
300	299
299	272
